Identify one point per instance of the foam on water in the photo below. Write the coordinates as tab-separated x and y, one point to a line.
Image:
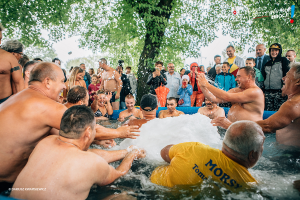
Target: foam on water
158	133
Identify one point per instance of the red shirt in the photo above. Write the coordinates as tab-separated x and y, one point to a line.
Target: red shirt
93	88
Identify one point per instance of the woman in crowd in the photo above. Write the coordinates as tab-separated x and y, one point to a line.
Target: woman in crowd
182	71
102	106
185	91
91	71
76	78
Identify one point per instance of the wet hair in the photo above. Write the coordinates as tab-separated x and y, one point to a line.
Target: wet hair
75	120
182	69
72	79
226	63
103	60
38	59
13	46
159	63
101	92
76	94
249	71
28	64
129	96
296	65
172	98
249	139
54	59
23	60
128	67
41	71
252	59
216	56
230	46
1	27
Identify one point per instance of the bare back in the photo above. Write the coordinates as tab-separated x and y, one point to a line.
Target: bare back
109	80
290	135
7	63
252	110
65	172
25	119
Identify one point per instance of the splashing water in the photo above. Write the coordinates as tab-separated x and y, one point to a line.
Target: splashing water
158	133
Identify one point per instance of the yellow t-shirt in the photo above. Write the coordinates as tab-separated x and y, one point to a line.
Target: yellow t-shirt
193	162
231	60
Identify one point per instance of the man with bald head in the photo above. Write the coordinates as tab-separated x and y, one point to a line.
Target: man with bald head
261	58
10	73
193	162
37	113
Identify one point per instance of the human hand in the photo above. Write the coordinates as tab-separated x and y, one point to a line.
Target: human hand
128	131
139	153
154	74
121	119
202	79
221	121
108	97
106	143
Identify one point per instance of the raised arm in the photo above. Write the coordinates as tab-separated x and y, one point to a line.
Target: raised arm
288	112
110	156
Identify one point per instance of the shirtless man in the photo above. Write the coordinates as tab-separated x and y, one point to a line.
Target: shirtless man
64	166
247	99
37	114
171	111
26	71
148	106
10	73
286	121
211	110
131	110
111	82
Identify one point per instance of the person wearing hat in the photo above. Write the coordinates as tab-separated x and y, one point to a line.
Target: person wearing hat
273	72
148	106
197	95
185	91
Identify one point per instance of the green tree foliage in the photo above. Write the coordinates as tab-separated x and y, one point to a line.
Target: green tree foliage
45	53
141	32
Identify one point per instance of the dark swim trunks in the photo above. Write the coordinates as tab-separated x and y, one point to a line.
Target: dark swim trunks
113	98
5	188
4	99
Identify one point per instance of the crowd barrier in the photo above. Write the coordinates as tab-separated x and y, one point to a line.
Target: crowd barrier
189	111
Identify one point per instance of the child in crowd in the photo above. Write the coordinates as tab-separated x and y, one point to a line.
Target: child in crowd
93	87
185	91
259	79
225	81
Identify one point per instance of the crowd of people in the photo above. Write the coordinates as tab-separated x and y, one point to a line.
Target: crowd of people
58	111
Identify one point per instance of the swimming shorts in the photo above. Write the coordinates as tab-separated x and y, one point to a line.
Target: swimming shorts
4	99
113	98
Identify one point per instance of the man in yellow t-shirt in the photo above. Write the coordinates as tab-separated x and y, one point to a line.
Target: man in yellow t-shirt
193	162
235	62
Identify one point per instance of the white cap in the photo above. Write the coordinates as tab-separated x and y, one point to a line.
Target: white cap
185	77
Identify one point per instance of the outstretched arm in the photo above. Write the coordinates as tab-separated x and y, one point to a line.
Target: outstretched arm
283	117
107	174
110	156
103	133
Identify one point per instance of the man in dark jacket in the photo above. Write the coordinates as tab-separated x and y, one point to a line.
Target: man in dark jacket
212	72
261	58
273	72
87	77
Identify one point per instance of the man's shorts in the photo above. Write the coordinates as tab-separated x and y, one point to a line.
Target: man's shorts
4	99
113	98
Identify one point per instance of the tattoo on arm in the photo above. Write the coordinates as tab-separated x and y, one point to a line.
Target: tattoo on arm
15	69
